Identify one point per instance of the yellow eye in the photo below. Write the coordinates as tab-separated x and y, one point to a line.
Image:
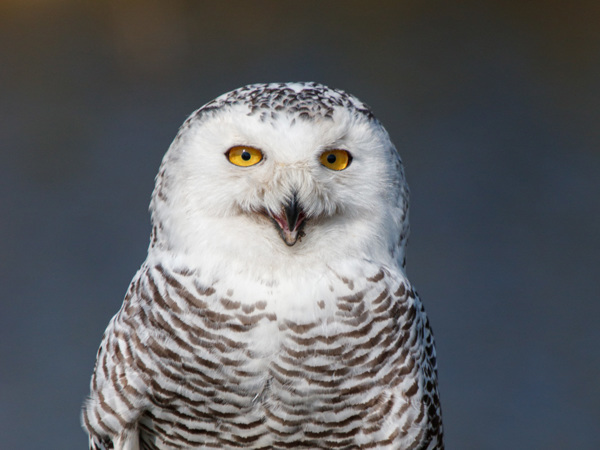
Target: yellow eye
336	159
243	156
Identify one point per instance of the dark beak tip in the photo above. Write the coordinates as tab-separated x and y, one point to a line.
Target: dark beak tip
290	244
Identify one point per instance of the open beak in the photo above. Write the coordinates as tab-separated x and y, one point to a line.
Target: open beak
290	221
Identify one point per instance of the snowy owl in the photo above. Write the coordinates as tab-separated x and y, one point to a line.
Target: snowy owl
273	309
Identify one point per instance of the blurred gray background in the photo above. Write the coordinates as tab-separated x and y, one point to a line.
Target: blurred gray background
494	106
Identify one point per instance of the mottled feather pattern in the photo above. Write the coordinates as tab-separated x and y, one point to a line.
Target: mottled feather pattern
312	101
369	383
228	336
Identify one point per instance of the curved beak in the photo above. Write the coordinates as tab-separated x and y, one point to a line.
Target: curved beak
290	221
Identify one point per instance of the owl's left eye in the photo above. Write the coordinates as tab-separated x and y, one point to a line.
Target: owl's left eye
244	156
336	159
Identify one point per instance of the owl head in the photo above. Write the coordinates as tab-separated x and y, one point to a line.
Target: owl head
279	173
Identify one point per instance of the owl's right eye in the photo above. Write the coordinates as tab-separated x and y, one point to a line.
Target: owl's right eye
244	156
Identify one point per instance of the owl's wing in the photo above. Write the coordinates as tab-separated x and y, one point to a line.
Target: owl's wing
119	385
433	437
140	363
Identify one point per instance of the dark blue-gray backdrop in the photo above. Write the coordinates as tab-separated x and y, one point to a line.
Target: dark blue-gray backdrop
494	106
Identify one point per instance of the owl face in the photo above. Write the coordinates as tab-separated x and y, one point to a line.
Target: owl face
302	170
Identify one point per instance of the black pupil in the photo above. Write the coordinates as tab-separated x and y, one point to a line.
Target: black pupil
331	158
245	155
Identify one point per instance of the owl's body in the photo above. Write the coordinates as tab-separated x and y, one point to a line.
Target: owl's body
273	310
